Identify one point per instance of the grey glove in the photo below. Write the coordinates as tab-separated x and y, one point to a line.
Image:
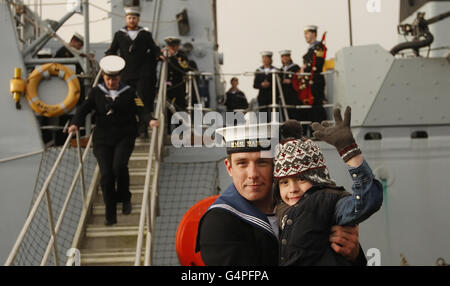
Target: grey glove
339	135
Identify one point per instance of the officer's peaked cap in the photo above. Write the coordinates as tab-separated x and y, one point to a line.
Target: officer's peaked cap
172	40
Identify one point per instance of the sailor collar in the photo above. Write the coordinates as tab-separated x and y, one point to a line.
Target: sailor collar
262	69
138	30
285	68
107	92
230	200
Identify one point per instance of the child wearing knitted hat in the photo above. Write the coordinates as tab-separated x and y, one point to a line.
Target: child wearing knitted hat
309	202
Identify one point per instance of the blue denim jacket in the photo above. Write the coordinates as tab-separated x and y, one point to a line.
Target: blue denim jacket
367	197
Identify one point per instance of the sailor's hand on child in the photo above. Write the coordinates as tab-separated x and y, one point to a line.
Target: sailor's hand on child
344	240
339	135
72	128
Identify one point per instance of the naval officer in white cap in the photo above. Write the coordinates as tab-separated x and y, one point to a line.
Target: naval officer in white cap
116	106
240	227
136	46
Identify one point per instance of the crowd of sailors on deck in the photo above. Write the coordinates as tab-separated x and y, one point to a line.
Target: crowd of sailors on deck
301	84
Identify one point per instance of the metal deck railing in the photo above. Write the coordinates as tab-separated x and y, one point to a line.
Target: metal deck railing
54	228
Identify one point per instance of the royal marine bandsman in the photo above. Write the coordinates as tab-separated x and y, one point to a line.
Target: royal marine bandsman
116	106
263	82
136	46
288	70
313	62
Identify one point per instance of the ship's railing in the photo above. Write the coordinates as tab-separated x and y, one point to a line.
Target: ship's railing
192	88
148	207
54	228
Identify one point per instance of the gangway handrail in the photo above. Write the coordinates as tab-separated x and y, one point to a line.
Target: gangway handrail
148	206
44	192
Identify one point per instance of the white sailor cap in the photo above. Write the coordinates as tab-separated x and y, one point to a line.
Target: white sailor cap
266	53
310	28
172	40
285	52
134	10
250	137
112	65
45	53
78	37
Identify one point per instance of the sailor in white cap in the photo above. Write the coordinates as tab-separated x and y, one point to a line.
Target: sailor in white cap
136	46
288	71
263	82
79	37
76	42
313	84
240	227
116	106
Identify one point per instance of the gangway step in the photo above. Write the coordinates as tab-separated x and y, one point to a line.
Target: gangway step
137	176
110	237
138	160
105	257
100	209
141	146
137	192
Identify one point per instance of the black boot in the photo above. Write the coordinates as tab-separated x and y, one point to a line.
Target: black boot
109	222
110	215
126	207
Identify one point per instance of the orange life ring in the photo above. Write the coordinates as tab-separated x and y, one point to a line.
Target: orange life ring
186	237
52	69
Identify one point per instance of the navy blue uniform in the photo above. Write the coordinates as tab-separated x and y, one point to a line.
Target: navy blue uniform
290	94
235	100
141	55
265	93
114	138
